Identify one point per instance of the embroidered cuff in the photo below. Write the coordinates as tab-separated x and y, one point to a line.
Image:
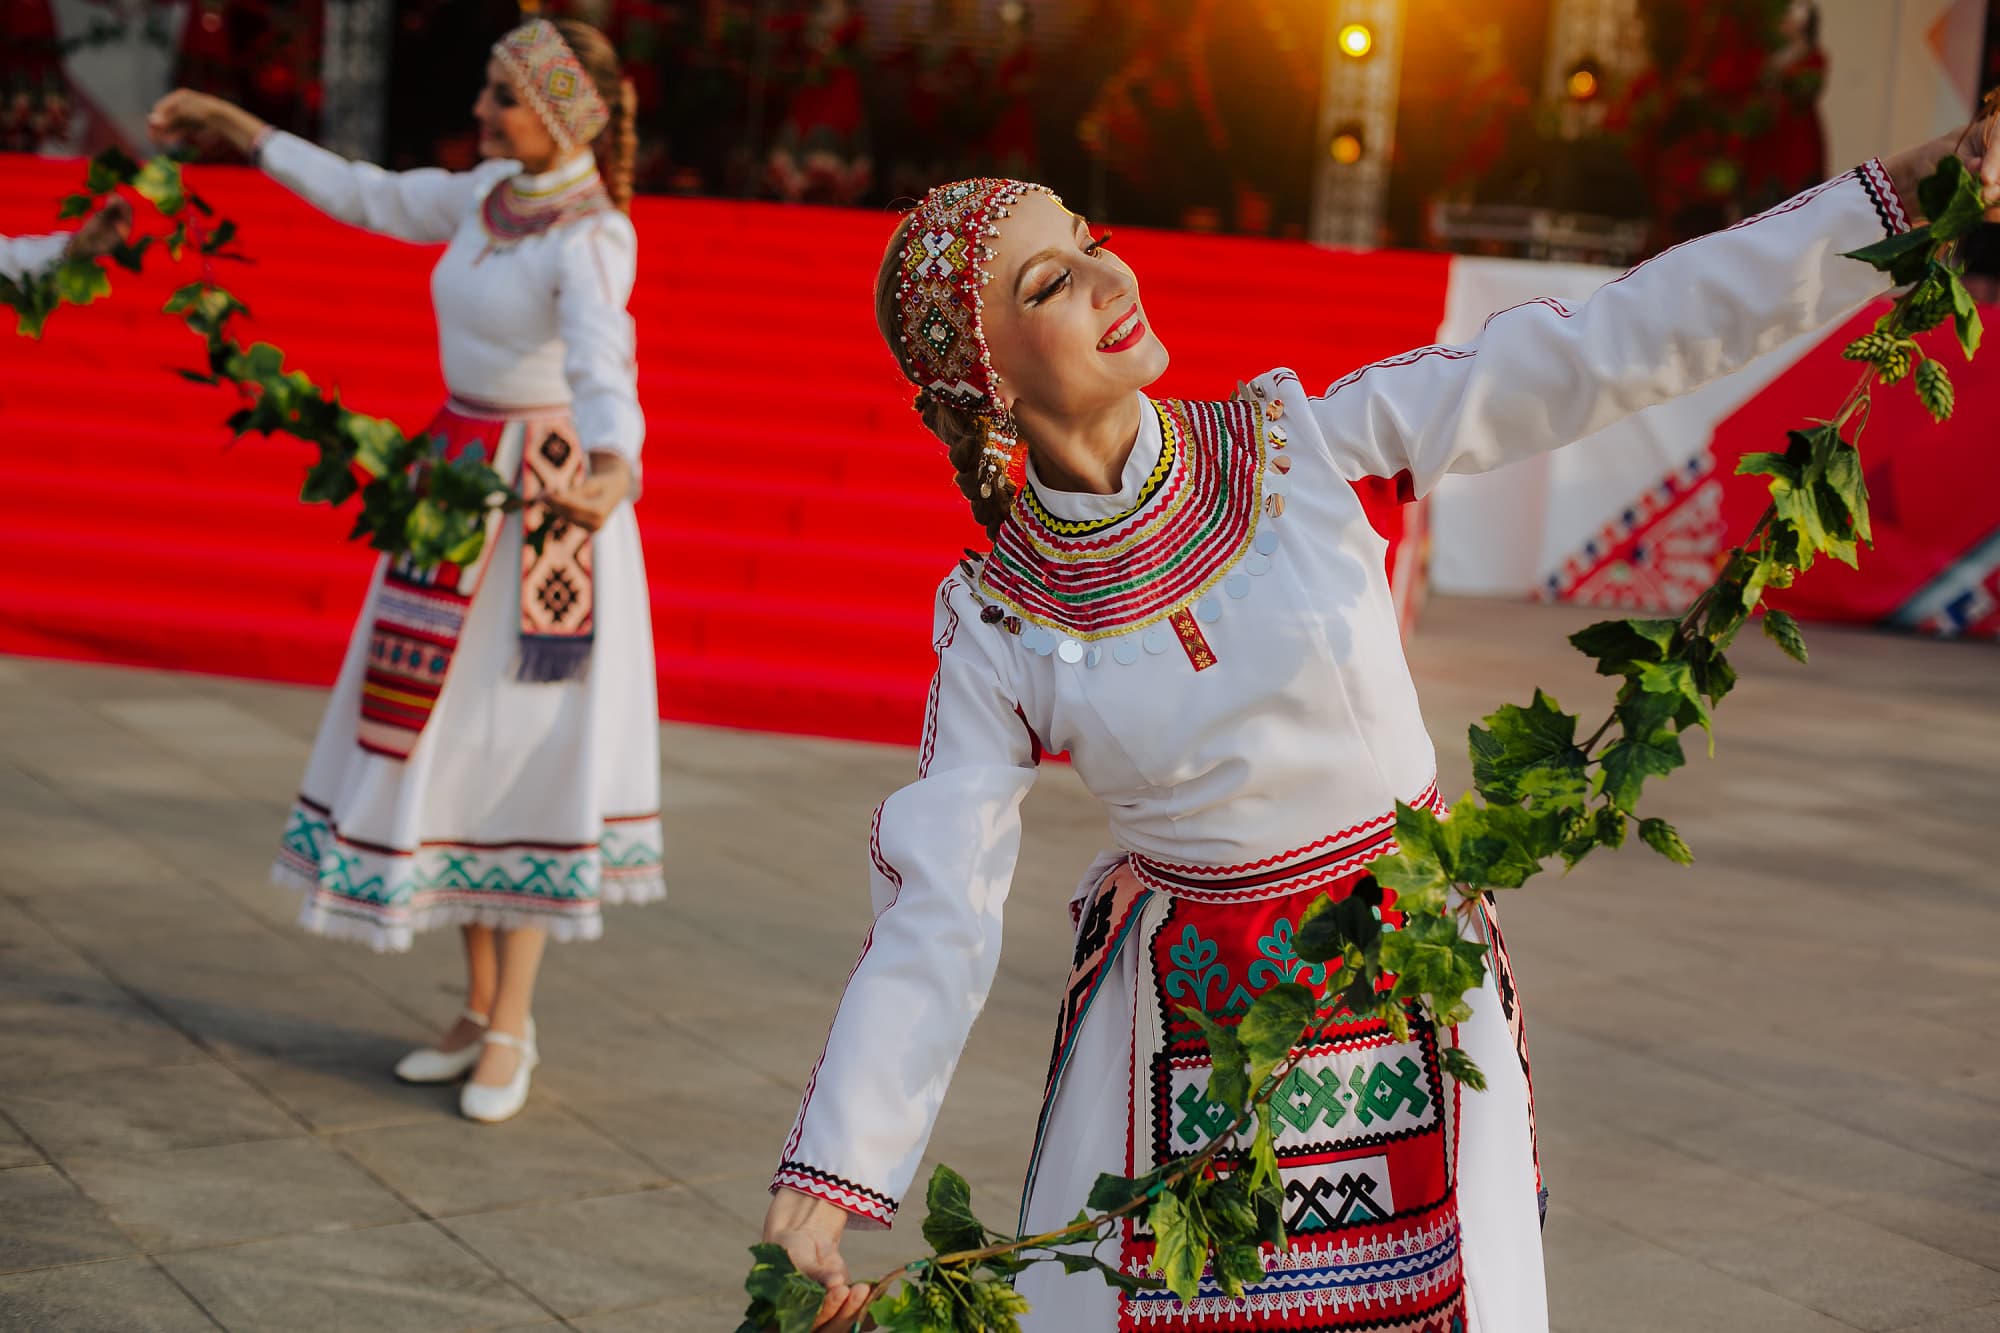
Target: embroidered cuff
856	1199
1889	207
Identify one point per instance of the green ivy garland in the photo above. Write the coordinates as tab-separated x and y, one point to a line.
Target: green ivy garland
415	501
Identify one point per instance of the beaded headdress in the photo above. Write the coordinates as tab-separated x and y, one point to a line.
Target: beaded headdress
549	78
940	299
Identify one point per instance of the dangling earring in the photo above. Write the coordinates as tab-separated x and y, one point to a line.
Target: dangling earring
1003	458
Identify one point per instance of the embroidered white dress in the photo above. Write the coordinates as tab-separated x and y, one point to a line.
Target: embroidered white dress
523	804
1240	702
22	256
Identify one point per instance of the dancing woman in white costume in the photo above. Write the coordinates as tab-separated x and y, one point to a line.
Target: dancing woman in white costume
1187	597
489	758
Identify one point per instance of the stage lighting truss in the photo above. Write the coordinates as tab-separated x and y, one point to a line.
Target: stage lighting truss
1357	120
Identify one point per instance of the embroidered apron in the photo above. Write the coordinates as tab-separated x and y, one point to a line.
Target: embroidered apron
1366	1124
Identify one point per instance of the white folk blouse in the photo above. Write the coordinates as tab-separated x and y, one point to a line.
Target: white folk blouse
1244	692
22	256
537	321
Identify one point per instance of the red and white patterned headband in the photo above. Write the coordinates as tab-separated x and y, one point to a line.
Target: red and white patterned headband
549	77
939	296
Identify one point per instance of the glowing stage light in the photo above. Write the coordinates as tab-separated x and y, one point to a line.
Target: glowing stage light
1347	147
1583	83
1357	40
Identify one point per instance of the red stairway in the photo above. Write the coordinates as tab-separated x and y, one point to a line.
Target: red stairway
797	517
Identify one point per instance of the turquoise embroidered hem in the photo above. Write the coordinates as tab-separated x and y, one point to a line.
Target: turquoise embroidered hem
383	896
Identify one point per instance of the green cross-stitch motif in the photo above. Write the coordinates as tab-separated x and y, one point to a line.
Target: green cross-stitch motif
1383	1090
1204	1119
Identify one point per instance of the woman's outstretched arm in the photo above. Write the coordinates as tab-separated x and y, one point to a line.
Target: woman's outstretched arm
1542	375
423	206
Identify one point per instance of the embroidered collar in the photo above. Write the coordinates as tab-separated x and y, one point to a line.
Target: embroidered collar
524	205
1078	514
1191	523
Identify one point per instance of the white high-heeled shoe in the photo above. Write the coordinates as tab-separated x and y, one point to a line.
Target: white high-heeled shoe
431	1065
491	1105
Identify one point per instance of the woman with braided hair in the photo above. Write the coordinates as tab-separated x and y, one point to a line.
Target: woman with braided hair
1187	597
489	758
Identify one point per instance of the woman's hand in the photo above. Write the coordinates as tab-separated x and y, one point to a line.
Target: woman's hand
1978	148
185	116
105	231
589	503
810	1231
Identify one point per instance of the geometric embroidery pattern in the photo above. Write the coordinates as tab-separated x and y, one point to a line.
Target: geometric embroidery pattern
385	895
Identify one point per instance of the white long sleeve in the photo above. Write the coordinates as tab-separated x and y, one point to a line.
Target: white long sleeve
1541	375
424	206
598	263
943	853
23	256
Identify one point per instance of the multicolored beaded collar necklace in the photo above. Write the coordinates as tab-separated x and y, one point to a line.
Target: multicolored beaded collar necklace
512	212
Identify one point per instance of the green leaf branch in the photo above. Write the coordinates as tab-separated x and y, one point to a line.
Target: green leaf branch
414	501
1540	795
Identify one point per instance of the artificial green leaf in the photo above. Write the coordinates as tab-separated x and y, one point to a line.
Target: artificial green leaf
1965	316
1501	846
1461	1066
1264	1153
1782	630
1768	465
950	1226
1328	925
1951	200
1887	253
74	206
1620	647
160	181
1112	1193
110	169
219	239
1661	837
1228	1082
1430	957
1529	750
1237	1266
792	1297
1180	1247
131	255
1629	762
1273	1025
1113	1276
81	281
1845	481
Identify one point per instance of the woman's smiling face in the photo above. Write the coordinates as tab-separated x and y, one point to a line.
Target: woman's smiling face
1062	315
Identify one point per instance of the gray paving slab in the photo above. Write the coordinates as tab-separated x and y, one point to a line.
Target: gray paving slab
1765	1087
613	1252
449	1167
132	1296
235	1192
401	1279
51	1223
143	1110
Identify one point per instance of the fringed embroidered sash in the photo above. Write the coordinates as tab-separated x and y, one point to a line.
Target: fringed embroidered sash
420	614
1367	1123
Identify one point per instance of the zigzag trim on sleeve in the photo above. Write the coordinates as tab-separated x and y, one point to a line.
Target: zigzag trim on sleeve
835	1190
1882	193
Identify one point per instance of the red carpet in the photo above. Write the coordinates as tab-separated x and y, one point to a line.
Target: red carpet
797	516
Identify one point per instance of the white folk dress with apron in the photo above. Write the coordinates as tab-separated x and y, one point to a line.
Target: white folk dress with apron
1217	649
489	754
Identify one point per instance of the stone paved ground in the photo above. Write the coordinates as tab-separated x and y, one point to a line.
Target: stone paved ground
1769	1087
